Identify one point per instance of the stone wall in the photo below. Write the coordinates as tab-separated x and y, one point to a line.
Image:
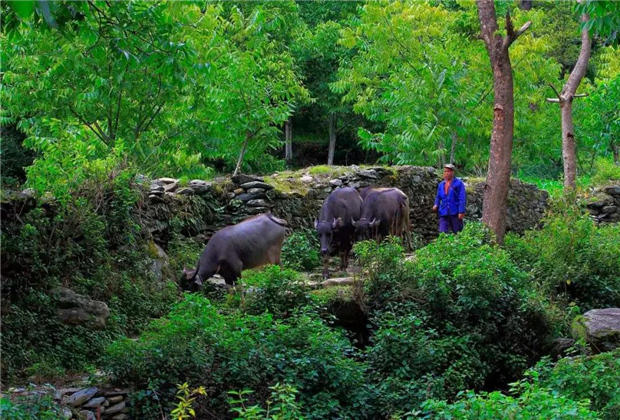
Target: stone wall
88	403
604	204
204	207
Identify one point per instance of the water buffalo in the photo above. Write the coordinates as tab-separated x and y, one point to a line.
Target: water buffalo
334	225
252	243
385	211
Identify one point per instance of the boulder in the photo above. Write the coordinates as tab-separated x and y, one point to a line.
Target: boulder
602	329
80	397
600	200
244	179
160	263
256	184
95	402
76	309
200	186
115	409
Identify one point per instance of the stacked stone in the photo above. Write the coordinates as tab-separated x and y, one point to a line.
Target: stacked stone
247	195
604	206
86	403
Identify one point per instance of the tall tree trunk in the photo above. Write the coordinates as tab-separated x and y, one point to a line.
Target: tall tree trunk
453	147
332	139
569	154
248	136
288	140
498	176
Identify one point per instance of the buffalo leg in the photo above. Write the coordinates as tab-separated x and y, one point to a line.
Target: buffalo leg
325	267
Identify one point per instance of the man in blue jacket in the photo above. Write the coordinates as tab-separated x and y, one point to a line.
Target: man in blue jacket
450	201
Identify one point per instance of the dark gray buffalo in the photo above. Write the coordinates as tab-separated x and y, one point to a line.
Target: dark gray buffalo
334	225
385	211
252	243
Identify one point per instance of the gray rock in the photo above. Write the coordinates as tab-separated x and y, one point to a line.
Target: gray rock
368	173
115	399
65	413
156	199
256	184
29	193
244	179
200	186
76	309
256	191
81	397
114	409
65	391
171	187
157	189
603	328
121	416
185	191
335	183
602	200
95	402
88	415
609	209
306	179
613	190
160	263
166	181
257	203
247	196
230	195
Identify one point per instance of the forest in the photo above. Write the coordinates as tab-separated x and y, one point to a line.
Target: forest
288	100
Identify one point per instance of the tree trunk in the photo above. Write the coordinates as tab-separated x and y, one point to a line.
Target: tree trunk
288	140
498	176
569	154
332	139
248	136
453	147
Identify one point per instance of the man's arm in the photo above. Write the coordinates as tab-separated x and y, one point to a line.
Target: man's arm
436	205
462	200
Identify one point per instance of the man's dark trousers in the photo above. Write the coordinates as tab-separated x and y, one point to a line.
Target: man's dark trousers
450	223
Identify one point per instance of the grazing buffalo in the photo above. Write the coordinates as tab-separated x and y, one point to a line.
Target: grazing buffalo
252	243
334	225
385	211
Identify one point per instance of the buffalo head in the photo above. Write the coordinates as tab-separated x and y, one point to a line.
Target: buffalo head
364	228
326	230
190	280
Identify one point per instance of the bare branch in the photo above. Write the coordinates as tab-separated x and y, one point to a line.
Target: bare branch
554	100
580	95
555	90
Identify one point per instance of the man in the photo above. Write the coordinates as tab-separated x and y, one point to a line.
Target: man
450	201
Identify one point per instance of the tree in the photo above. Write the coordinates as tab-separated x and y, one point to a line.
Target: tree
565	99
498	176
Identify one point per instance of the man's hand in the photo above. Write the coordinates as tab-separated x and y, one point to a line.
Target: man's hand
435	209
461	216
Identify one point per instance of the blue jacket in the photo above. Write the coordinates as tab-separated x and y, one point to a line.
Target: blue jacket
454	202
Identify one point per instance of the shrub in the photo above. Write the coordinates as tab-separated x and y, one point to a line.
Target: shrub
281	405
572	258
196	344
468	297
31	406
596	378
532	403
301	251
273	290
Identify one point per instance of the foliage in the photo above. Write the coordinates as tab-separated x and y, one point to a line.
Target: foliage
300	251
195	343
532	403
572	258
186	397
32	406
605	172
281	405
458	314
596	378
13	157
273	290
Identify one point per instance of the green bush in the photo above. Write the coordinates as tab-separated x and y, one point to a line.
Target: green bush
31	407
572	258
532	403
605	171
596	378
196	344
273	290
469	297
301	251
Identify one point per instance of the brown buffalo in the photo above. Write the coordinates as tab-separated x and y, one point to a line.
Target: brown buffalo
252	243
334	225
385	211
